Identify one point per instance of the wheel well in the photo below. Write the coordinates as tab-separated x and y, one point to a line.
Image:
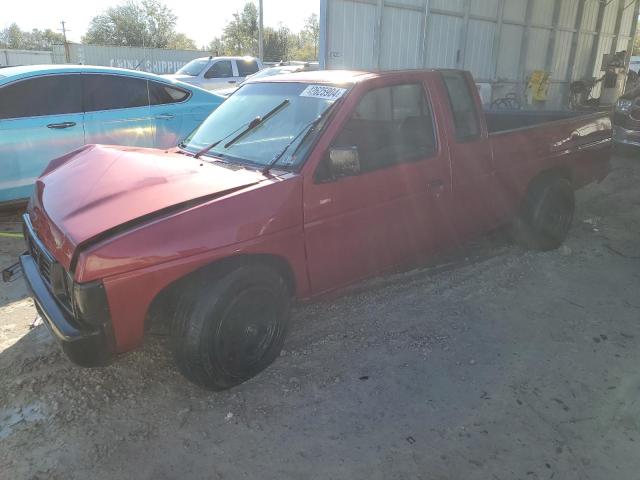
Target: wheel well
561	172
161	309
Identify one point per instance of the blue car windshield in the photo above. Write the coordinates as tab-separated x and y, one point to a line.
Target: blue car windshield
297	106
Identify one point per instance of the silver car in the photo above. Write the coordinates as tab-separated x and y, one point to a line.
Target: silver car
215	73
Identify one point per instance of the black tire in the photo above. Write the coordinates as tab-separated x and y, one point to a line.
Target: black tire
546	214
230	326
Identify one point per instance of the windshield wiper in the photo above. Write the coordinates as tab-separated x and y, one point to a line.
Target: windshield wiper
257	121
308	128
215	144
250	126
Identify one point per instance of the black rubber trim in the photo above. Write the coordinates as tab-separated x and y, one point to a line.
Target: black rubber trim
87	348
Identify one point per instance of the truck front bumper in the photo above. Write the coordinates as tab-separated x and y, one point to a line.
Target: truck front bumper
624	136
87	347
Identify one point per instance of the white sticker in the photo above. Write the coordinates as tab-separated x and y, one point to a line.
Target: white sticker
323	91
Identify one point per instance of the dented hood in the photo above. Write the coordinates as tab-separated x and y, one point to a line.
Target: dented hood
100	189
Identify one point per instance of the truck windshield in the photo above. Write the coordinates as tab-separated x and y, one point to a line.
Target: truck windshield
194	67
267	140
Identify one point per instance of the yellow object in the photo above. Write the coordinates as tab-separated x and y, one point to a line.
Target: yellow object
10	234
539	85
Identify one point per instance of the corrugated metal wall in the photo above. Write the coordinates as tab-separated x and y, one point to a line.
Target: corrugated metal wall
12	58
500	41
153	60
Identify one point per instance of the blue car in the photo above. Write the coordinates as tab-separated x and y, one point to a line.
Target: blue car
49	110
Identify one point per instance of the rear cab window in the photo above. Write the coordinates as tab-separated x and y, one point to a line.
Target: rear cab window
41	96
247	67
463	106
390	125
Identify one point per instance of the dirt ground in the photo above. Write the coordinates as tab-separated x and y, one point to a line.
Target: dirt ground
498	364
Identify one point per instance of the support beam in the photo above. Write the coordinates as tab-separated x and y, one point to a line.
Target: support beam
548	62
633	33
425	29
621	8
596	41
323	35
462	52
574	42
524	47
377	46
497	39
574	48
261	32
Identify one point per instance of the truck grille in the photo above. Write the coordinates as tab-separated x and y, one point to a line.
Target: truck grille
51	271
40	256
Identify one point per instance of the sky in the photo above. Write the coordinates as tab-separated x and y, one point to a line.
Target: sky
198	19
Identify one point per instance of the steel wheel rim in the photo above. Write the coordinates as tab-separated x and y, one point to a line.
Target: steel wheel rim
246	330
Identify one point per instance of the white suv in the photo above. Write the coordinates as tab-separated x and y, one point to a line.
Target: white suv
214	73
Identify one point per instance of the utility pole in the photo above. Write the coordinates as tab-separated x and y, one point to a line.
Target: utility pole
260	32
67	54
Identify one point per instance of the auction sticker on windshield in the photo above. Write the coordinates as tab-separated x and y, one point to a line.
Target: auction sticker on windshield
324	92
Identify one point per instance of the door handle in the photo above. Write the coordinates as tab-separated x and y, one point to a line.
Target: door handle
60	126
165	116
232	81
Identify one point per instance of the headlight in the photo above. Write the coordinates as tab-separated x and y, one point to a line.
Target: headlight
61	285
90	303
624	105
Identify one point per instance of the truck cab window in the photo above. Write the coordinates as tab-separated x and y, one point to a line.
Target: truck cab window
247	67
389	126
463	106
220	69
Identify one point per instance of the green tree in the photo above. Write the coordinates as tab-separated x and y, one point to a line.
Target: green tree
217	47
311	33
14	37
276	44
180	41
147	23
240	36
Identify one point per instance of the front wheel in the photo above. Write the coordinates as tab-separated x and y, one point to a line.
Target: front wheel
546	215
228	328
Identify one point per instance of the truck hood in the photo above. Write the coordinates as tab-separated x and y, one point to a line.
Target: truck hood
98	190
183	78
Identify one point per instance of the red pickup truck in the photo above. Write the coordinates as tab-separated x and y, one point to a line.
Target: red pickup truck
296	185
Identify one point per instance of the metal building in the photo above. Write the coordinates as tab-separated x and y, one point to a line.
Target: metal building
500	41
155	60
10	58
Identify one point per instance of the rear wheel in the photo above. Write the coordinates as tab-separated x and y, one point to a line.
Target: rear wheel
227	329
546	214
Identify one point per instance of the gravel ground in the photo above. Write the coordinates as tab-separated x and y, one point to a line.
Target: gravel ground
496	364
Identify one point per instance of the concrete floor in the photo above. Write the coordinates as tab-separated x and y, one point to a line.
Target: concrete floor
502	364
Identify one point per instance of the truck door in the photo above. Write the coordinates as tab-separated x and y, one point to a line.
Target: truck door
472	172
221	74
386	214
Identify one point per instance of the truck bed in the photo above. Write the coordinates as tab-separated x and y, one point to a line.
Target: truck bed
504	120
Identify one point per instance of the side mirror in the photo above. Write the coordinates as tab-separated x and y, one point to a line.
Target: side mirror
344	161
